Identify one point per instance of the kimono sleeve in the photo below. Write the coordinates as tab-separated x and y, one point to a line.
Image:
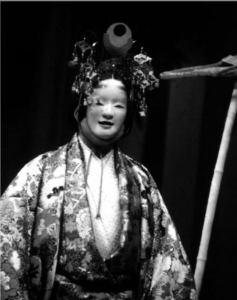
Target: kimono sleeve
169	274
17	211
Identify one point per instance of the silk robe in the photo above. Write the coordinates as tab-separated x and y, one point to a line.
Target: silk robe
48	249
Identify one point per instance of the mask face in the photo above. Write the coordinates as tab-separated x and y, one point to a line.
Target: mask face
106	112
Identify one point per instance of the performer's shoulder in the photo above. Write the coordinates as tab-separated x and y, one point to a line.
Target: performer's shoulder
136	164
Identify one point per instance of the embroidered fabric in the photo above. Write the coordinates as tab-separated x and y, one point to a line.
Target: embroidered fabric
46	231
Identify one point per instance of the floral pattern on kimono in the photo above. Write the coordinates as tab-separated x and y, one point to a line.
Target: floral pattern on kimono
48	249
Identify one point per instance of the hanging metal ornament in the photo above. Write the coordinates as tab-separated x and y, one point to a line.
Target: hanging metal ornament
117	45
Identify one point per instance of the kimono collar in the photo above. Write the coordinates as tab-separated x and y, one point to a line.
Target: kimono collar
76	181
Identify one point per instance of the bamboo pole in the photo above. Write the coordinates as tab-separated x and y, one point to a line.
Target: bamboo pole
214	191
214	70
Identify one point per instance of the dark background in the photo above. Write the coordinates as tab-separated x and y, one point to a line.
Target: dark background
178	141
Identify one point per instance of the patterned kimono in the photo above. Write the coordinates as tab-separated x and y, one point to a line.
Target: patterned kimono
48	248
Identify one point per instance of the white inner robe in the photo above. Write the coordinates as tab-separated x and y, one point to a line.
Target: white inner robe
107	227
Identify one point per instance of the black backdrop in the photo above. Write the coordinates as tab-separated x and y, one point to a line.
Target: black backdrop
179	139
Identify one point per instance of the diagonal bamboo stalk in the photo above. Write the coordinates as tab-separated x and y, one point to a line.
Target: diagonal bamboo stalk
214	191
227	67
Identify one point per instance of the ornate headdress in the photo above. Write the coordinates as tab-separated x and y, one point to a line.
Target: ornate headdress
136	70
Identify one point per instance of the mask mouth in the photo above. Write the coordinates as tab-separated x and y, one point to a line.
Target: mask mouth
106	123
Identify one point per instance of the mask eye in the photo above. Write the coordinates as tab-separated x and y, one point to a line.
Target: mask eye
119	106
